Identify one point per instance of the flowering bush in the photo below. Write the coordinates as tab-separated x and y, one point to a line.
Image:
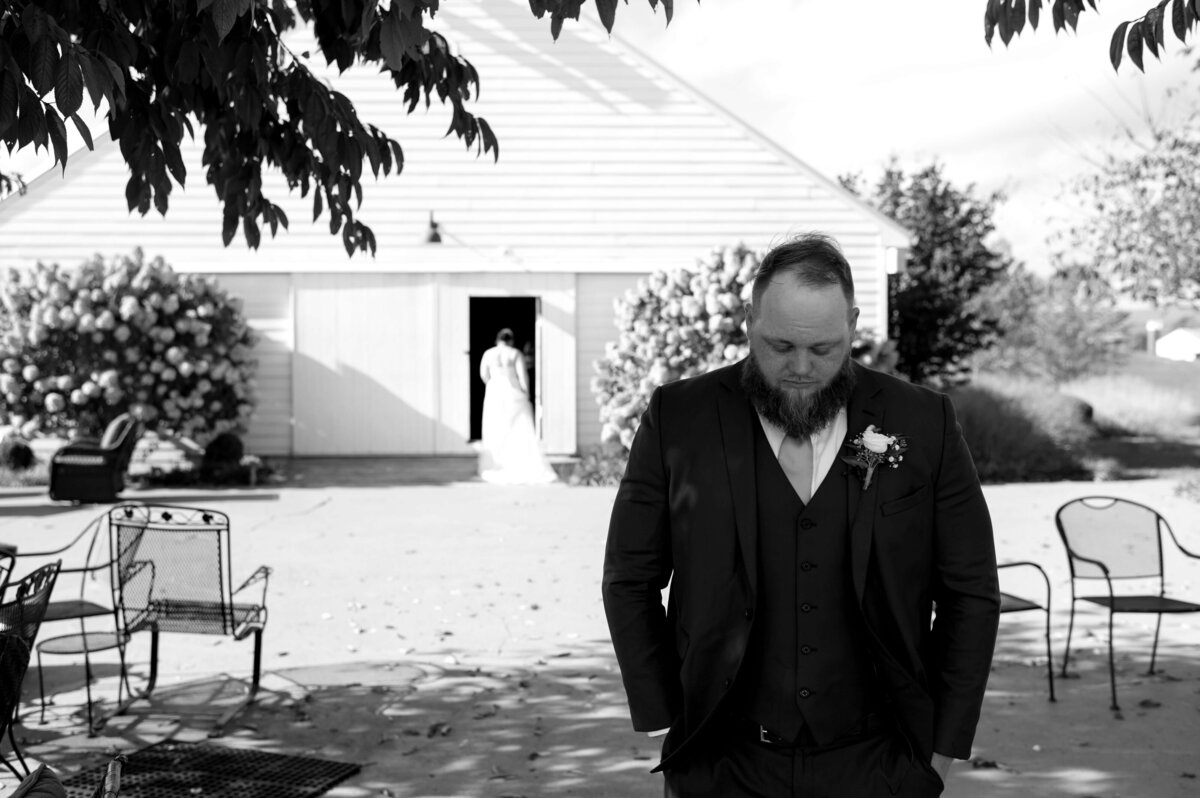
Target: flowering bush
80	346
681	323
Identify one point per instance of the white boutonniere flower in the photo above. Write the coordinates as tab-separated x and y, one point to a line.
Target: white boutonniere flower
872	448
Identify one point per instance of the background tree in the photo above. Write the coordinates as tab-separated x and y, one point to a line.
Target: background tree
934	315
158	65
1057	329
1140	229
1147	33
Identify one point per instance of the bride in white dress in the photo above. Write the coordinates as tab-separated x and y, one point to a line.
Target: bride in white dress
509	452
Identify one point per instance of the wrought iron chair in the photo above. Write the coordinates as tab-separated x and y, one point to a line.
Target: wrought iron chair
1013	603
96	562
90	470
22	608
173	574
1115	539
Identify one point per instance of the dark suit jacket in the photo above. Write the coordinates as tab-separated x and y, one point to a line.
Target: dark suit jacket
686	513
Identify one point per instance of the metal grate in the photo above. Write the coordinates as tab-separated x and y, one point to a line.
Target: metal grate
183	770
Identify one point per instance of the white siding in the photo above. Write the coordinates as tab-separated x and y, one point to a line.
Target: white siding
267	302
596	325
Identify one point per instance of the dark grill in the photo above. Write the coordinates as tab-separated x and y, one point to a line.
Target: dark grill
202	770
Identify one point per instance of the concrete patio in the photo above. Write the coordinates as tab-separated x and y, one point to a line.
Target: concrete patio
448	635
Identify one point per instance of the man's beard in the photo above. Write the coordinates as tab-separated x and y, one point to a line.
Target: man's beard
798	416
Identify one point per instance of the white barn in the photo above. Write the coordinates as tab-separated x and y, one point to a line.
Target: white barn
609	168
1179	344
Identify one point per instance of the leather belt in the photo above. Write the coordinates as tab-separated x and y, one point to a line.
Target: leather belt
870	725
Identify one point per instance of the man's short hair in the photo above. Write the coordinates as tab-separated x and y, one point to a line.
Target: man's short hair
812	258
505	335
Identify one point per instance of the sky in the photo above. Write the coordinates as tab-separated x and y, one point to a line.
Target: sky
846	90
847	85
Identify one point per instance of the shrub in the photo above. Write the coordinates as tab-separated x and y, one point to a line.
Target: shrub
1133	405
601	465
1022	432
681	323
15	454
80	346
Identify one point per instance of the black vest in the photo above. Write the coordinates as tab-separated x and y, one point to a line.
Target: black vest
807	663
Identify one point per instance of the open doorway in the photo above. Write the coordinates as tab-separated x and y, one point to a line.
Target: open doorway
489	315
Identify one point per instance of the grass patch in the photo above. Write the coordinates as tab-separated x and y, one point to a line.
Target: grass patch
1149	396
1023	431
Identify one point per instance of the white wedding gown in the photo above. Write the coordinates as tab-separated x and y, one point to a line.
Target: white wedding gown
509	452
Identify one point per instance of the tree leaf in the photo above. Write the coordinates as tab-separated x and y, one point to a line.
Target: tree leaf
229	222
1035	13
44	65
57	132
68	84
84	132
1179	19
1134	45
1149	25
174	161
225	14
1004	25
251	231
1058	15
96	81
28	119
1016	17
8	101
608	13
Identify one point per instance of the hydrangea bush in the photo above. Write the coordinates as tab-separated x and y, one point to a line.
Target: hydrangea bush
681	323
80	346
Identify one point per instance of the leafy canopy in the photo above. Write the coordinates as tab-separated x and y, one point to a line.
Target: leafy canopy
158	65
934	315
1139	228
1135	37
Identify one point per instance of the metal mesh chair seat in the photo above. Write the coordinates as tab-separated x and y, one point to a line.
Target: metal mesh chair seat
69	609
1143	603
1113	539
81	460
81	643
1011	603
203	617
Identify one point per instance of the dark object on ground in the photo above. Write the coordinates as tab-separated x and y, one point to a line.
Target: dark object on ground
16	454
225	448
1113	539
91	471
175	768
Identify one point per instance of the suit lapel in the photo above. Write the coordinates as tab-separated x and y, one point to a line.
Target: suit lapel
864	408
737	438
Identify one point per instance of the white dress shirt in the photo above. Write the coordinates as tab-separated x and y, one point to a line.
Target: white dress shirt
826	443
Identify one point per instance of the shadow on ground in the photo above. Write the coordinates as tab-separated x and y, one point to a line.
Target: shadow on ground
555	726
430	726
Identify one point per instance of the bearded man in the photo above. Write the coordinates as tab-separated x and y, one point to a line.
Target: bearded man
809	514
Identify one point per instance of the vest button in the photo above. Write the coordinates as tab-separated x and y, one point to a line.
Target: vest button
727	682
806	566
807	523
805	692
806	607
806	650
749	613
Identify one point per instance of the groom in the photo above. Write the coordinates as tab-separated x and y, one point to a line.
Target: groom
800	653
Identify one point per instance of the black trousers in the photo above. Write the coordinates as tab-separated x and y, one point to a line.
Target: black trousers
732	764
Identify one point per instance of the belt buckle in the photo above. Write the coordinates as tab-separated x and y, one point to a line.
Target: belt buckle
765	736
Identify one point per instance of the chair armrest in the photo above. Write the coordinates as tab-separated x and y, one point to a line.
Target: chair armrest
1179	546
261	574
91	526
1042	571
1089	560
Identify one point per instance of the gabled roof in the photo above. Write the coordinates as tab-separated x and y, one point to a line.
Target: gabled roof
607	162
